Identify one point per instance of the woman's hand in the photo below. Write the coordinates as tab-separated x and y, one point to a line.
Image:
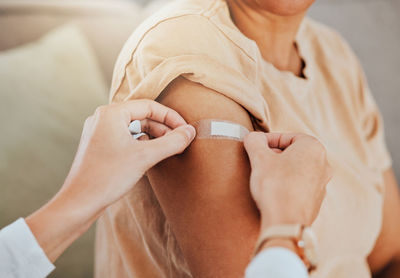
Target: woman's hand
107	165
288	178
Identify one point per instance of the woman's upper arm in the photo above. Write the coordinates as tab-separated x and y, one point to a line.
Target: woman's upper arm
204	192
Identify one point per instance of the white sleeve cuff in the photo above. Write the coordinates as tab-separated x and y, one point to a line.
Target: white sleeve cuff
20	253
276	262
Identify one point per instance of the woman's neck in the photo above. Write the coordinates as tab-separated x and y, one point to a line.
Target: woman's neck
275	35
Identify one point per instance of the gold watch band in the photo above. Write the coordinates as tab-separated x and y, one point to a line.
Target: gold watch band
279	232
302	237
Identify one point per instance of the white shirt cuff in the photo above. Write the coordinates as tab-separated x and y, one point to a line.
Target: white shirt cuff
20	253
276	262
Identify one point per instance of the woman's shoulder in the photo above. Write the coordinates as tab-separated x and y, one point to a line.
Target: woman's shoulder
182	27
175	17
188	34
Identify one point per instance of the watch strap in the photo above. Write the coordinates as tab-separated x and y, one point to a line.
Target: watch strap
303	238
279	232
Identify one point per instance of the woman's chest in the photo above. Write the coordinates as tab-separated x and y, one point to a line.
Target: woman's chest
350	217
321	108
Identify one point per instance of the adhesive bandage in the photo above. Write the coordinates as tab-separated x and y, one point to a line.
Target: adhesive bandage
219	129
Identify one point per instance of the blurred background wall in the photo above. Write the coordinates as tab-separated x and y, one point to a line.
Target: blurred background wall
42	107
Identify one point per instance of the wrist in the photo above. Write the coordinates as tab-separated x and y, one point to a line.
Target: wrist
61	221
77	204
296	237
281	242
269	220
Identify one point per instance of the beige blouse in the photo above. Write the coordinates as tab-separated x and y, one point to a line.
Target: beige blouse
197	39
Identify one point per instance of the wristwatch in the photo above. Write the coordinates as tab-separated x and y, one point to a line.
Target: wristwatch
303	238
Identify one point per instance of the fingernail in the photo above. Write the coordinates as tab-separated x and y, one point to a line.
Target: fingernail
190	131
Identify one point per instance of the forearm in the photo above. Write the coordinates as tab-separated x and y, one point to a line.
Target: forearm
61	221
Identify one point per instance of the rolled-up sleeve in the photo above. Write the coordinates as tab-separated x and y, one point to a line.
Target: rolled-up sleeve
372	127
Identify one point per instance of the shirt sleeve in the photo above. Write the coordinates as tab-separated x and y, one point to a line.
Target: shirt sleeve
276	262
156	55
372	126
20	253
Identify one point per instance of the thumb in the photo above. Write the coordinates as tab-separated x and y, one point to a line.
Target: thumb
256	145
174	142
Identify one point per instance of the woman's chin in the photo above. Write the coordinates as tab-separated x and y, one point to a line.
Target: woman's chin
284	7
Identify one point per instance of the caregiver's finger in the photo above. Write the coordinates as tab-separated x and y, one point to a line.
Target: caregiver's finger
174	142
142	109
256	146
306	143
153	128
283	140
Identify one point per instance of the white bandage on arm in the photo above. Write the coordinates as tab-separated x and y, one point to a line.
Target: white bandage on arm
219	129
276	262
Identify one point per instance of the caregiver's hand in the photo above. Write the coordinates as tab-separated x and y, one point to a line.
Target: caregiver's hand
288	178
107	165
109	161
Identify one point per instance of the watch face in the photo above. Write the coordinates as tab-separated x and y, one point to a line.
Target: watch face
310	246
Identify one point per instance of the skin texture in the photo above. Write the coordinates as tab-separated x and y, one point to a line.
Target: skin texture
204	206
107	165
